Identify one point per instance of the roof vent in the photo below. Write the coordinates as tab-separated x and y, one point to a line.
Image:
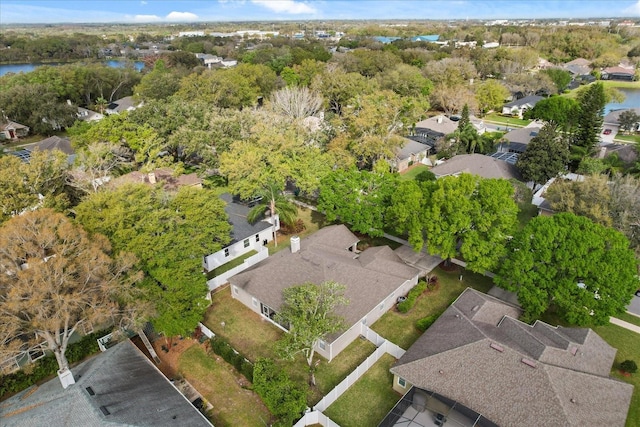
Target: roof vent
90	391
529	362
475	308
295	244
457	316
572	400
104	410
574	350
496	347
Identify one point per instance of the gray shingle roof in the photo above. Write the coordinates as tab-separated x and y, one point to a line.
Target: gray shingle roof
241	228
134	392
530	99
477	164
369	278
53	143
411	147
468	358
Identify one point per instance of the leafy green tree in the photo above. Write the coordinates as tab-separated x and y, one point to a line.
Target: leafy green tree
628	120
359	198
561	78
584	270
490	95
221	88
590	198
406	208
557	109
160	83
545	157
309	310
590	117
338	88
471	216
273	200
405	80
280	394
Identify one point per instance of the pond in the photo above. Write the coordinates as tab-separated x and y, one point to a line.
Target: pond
25	68
631	100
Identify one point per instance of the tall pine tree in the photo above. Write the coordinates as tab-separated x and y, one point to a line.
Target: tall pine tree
546	155
590	118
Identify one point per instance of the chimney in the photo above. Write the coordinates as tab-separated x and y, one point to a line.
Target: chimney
66	377
152	178
295	244
439	120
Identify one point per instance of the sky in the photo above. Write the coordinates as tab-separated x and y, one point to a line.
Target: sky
165	11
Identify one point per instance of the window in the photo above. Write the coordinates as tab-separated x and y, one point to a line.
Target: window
226	252
258	238
254	301
401	382
235	290
322	345
246	243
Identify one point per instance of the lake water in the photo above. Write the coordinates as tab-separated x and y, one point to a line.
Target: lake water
25	68
631	100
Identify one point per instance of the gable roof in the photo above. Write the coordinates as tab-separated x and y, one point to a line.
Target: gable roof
125	382
618	70
530	100
521	137
476	164
516	374
8	124
123	104
440	124
241	228
411	147
579	61
53	143
613	117
369	277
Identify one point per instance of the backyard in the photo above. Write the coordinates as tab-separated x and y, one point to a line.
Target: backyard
312	220
413	171
400	328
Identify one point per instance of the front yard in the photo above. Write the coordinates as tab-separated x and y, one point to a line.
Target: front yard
507	121
400	328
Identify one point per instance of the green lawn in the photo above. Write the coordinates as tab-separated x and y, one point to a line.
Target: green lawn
628	138
313	221
411	173
367	401
505	120
630	318
231	264
255	337
400	328
628	345
221	385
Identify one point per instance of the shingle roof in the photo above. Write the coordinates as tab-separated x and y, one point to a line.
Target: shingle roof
411	147
477	164
324	256
125	382
531	100
614	116
53	143
515	374
441	124
241	228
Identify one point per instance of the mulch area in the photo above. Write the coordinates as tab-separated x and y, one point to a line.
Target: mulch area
169	361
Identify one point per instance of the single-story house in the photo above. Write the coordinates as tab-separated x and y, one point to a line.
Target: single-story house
539	199
373	278
245	236
476	164
480	366
612	119
579	66
89	115
411	152
119	387
48	144
11	130
123	104
431	130
517	140
617	73
164	176
519	106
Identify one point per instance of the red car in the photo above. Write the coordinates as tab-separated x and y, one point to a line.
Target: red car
607	132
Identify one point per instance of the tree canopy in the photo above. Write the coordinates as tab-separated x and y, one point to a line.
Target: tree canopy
583	270
545	156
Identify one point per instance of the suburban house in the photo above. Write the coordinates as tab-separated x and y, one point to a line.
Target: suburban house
578	67
245	237
433	129
374	279
123	104
617	73
411	152
11	130
89	115
476	164
612	119
517	140
48	144
478	365
119	387
538	199
519	106
164	176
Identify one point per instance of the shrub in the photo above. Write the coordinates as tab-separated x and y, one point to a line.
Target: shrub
433	283
222	348
629	366
424	323
412	297
279	393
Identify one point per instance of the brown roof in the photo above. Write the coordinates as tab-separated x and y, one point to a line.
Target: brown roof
477	164
618	70
8	124
369	277
439	123
516	374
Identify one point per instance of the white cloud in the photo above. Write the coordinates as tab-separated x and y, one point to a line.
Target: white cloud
146	18
143	2
182	16
285	6
633	10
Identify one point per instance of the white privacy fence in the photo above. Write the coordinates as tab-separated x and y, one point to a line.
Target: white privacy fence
220	280
315	417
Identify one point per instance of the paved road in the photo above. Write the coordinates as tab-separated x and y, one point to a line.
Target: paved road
634	306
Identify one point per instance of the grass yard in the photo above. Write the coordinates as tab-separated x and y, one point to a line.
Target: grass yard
628	345
628	138
220	384
505	120
313	221
367	401
400	328
413	171
231	264
630	318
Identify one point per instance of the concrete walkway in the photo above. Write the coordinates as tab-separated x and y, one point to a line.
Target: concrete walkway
626	325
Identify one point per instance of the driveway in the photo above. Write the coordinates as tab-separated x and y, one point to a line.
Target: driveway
608	139
634	306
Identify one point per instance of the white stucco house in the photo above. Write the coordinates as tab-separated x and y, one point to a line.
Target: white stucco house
519	106
373	280
245	237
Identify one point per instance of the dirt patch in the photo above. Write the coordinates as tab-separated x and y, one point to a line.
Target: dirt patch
169	359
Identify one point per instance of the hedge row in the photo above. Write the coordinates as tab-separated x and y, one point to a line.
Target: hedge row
424	323
284	398
412	297
48	366
222	348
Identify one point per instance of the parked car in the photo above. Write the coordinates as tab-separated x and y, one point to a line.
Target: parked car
607	132
638	293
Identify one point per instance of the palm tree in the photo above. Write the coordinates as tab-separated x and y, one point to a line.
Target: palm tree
275	201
